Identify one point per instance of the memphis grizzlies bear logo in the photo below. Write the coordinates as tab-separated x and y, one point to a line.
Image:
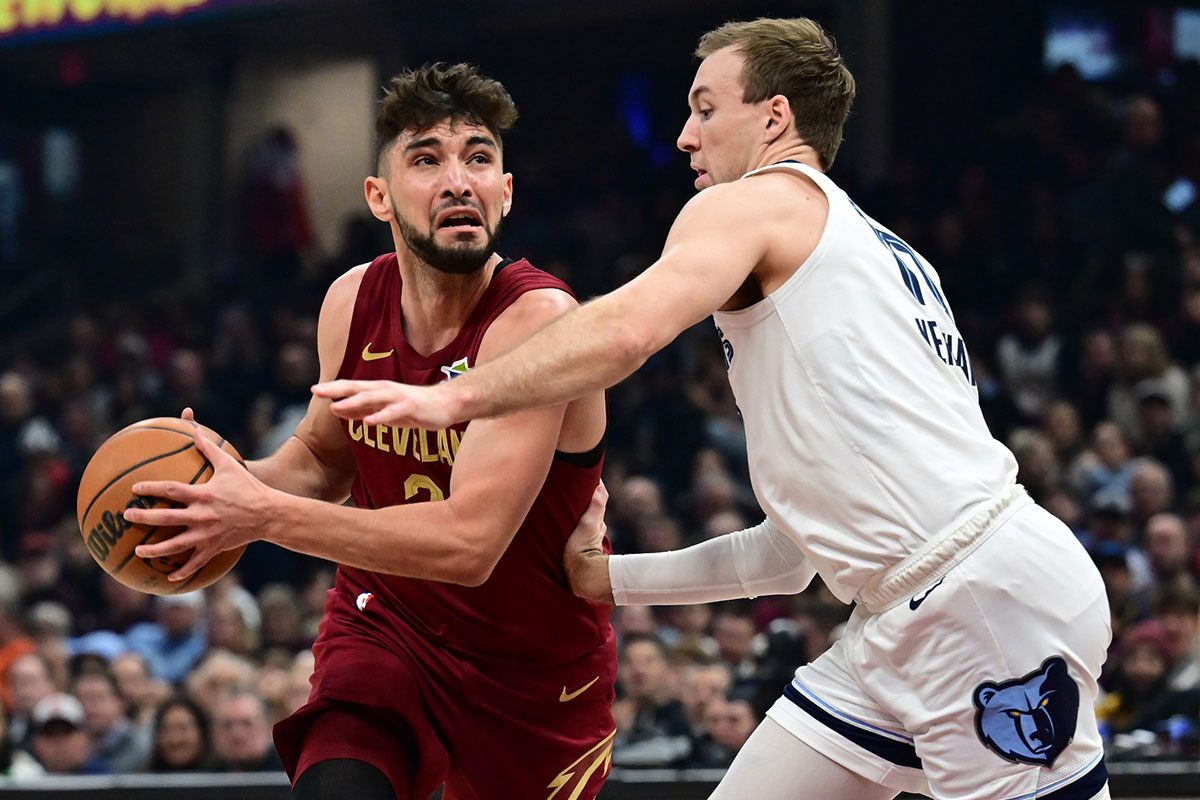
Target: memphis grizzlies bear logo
1030	719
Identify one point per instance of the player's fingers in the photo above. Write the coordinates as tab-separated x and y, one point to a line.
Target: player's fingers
212	451
390	414
161	517
169	547
359	405
192	566
340	388
171	490
188	414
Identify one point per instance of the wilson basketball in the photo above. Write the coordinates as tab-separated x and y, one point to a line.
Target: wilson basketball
153	449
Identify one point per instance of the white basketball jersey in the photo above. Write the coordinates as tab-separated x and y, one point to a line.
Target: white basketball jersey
862	416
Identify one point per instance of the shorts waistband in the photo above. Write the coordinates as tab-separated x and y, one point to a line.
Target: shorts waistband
938	556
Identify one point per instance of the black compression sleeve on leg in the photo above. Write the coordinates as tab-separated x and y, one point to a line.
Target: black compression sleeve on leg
340	778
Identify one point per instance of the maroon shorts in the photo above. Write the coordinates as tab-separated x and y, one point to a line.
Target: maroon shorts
488	729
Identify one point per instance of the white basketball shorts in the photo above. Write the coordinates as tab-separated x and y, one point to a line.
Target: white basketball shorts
981	685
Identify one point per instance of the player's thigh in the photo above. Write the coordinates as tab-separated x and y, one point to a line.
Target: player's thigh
994	671
775	765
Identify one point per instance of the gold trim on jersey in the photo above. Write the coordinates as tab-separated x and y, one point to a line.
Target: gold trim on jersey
601	754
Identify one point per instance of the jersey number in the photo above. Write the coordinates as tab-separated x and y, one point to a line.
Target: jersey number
416	482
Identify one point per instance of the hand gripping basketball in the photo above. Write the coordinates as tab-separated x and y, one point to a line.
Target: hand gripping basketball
229	511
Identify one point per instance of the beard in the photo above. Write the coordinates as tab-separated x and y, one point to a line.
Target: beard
456	259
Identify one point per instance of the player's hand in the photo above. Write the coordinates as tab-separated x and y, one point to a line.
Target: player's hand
230	510
584	558
390	403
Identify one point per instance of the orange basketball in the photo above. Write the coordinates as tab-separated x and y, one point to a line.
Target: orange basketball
153	449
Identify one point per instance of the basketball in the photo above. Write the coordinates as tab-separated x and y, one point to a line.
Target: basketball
153	449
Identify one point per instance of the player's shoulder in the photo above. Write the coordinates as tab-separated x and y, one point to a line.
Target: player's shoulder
345	286
758	199
537	305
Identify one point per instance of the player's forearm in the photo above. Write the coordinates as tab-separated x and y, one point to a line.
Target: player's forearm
395	541
588	349
295	469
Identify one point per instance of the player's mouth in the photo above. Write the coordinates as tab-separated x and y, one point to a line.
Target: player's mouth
460	219
701	175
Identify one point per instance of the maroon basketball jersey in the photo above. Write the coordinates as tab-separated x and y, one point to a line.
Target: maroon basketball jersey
525	611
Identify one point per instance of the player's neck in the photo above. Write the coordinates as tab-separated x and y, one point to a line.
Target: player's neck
435	305
787	151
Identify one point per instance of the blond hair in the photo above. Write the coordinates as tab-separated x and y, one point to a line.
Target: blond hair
797	59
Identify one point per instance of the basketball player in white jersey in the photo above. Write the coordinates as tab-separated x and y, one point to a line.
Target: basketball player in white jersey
969	666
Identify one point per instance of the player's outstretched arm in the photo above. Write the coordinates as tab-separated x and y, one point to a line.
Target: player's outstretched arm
716	242
756	561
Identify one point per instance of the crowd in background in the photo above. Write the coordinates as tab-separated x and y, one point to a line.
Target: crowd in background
1065	241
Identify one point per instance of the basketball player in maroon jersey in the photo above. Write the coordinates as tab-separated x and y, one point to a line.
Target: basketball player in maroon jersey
452	650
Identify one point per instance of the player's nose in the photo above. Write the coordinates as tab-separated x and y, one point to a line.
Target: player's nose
689	139
455	180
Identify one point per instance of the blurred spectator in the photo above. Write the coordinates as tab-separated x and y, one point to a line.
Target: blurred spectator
123	607
1178	611
180	738
229	630
1139	677
1151	490
174	643
1159	436
141	693
1167	549
702	683
217	674
734	631
15	764
1128	604
59	741
1028	358
30	681
117	740
14	642
281	619
728	723
1037	463
242	734
1144	357
658	734
1105	467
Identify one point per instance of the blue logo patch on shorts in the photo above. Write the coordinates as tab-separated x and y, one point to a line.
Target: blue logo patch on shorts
1029	719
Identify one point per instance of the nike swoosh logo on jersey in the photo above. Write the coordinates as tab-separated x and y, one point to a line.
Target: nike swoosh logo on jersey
566	697
916	601
367	355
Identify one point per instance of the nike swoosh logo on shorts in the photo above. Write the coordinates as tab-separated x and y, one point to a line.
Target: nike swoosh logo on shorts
567	697
367	355
916	601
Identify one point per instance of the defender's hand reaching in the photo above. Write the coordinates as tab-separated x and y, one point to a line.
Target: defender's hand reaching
390	403
584	558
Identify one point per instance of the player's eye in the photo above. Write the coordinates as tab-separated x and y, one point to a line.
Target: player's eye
481	158
422	161
705	113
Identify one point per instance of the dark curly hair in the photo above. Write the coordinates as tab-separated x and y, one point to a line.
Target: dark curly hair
420	98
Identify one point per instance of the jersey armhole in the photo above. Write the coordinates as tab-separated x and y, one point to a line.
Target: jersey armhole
584	460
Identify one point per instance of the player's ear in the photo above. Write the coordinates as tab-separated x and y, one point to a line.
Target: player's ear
779	117
508	189
376	191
